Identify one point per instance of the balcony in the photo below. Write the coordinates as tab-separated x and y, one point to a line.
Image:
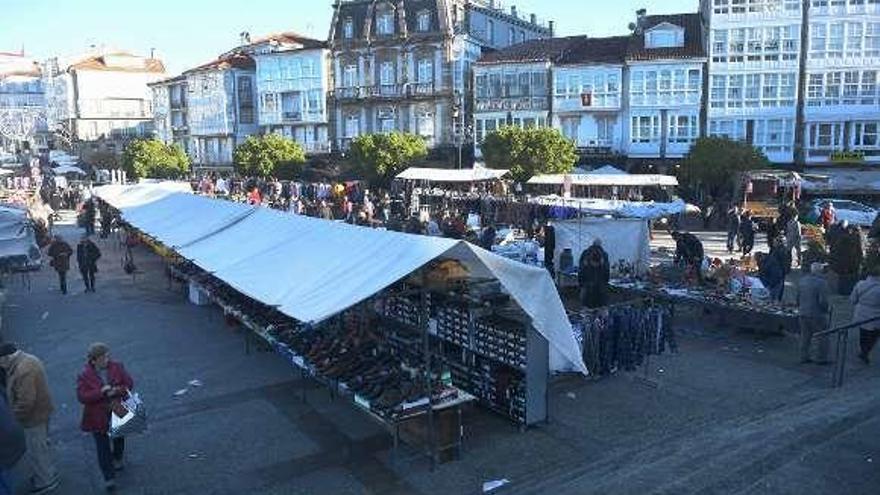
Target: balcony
350	93
511	104
421	89
384	90
292	116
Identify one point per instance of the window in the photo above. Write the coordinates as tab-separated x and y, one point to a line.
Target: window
814	90
490	31
386	120
645	129
872	39
854	35
425	71
735	91
818	37
826	137
716	94
866	135
851	87
753	90
350	77
663	38
385	23
386	74
482	87
522	36
425	124
315	101
352	126
774	135
869	87
731	129
682	129
571	128
245	100
835	40
348	28
833	82
511	36
424	21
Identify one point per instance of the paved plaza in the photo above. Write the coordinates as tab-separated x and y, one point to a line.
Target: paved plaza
732	412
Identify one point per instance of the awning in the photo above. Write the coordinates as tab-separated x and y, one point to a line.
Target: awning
476	174
606	180
312	269
127	196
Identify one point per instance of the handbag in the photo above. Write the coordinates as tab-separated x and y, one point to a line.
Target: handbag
127	416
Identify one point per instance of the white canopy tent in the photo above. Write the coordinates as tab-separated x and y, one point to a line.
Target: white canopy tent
624	239
476	174
605	180
312	269
128	196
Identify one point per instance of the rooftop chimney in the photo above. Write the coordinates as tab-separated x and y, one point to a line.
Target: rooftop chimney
245	37
551	25
533	19
513	10
640	20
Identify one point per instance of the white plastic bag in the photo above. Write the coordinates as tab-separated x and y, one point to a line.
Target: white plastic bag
134	420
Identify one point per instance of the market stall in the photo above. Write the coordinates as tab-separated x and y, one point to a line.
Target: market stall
19	251
429	191
401	324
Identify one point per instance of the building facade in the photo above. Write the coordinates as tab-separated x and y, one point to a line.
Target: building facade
797	78
292	82
170	121
640	95
405	65
665	69
104	99
22	98
222	110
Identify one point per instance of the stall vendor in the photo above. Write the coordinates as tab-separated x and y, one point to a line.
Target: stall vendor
594	272
688	249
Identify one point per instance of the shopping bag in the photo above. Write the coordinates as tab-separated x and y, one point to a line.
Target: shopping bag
128	416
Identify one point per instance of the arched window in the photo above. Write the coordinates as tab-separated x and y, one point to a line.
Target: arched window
424	21
385	20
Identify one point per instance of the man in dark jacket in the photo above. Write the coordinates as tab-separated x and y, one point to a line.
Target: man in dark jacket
60	252
87	255
747	233
89	216
813	307
688	249
594	272
733	223
771	274
549	248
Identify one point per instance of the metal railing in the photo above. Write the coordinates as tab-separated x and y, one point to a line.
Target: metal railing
842	345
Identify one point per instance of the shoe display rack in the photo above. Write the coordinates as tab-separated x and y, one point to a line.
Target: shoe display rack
490	352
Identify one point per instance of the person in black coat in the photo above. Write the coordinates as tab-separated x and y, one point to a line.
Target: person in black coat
594	272
747	233
734	221
771	274
549	249
87	255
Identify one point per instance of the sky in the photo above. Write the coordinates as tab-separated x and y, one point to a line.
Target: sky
186	33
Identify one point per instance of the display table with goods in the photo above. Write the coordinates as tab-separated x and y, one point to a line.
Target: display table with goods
728	289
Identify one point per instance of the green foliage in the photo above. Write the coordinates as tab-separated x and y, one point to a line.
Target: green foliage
264	156
151	158
714	165
528	152
380	157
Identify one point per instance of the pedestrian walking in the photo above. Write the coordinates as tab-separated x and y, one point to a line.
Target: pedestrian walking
32	407
734	220
87	256
102	382
813	308
865	298
59	251
12	442
89	216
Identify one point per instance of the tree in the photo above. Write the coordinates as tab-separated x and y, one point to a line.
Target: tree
713	166
102	159
154	159
265	156
380	157
528	152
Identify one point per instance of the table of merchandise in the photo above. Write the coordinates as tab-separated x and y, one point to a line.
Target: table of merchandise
781	317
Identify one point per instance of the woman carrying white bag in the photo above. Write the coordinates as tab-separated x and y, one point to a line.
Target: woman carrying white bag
102	383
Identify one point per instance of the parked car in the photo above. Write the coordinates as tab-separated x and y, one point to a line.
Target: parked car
853	212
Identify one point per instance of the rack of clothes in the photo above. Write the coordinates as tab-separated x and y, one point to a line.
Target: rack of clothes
620	337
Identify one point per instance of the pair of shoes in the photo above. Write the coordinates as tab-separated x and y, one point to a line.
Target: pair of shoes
864	358
110	485
48	488
118	464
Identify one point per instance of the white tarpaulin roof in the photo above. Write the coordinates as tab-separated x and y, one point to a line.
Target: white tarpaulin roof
312	269
68	169
127	196
476	174
606	180
628	209
608	170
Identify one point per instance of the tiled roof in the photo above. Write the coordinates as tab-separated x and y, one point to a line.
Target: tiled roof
286	38
168	80
230	61
693	39
98	62
568	51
